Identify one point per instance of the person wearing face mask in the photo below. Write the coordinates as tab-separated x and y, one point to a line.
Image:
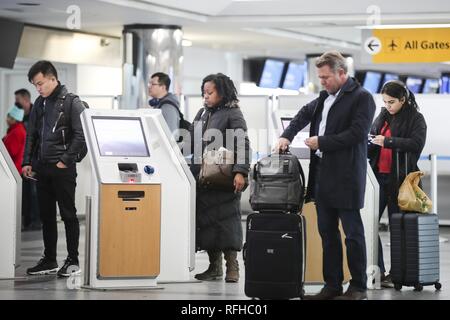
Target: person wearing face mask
340	121
399	128
218	212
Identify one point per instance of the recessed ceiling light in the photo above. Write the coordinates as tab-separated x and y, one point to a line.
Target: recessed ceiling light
28	4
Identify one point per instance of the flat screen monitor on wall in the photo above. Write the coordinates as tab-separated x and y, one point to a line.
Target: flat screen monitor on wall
431	86
271	74
295	76
10	33
389	76
120	137
445	85
372	81
414	84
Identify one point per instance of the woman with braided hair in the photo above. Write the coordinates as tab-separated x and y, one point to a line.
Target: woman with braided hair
399	129
218	212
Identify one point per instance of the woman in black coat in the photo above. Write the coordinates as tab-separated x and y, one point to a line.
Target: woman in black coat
218	212
399	130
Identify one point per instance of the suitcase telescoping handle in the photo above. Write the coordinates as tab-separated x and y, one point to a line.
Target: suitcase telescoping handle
397	164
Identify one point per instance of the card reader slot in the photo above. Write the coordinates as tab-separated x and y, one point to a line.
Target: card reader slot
128	195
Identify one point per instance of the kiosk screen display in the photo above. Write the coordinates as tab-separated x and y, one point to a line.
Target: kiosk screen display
445	85
120	137
299	140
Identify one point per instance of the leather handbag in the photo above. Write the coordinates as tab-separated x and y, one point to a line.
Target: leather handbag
217	170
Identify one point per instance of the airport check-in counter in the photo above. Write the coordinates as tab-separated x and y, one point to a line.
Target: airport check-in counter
11	213
141	226
369	214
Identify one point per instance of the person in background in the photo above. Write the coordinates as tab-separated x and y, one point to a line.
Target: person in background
23	101
30	206
340	121
399	129
218	215
14	139
158	88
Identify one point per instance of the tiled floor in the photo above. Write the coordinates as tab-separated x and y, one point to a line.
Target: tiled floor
49	287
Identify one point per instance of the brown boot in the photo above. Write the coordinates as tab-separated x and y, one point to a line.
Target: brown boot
232	274
214	270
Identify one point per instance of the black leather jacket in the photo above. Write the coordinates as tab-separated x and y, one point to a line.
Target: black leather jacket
52	134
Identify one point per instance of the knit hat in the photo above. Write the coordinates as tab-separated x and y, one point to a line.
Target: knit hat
16	113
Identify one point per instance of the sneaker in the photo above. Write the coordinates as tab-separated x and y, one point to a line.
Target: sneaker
386	281
44	266
70	267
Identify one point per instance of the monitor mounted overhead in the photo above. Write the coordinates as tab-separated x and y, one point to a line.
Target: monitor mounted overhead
372	81
445	85
271	74
414	84
431	86
10	33
120	137
295	76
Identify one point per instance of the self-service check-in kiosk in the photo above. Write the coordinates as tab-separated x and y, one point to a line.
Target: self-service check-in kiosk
369	214
11	212
141	224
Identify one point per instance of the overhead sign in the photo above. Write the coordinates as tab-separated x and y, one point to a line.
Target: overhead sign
406	45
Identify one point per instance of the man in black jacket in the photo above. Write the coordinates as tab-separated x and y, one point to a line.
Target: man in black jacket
340	121
55	134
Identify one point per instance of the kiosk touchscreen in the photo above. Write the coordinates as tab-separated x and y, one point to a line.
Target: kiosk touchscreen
10	214
136	234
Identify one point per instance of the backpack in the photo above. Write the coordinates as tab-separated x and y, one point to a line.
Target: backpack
277	184
67	110
183	124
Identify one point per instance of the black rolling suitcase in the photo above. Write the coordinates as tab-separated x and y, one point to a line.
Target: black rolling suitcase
274	256
277	184
414	248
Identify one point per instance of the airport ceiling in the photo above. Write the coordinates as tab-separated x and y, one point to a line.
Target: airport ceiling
284	28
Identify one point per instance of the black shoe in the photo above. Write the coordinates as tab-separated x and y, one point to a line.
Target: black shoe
386	281
324	294
44	266
353	294
70	267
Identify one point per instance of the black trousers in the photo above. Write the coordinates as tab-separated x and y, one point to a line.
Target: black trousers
30	206
58	186
328	224
386	199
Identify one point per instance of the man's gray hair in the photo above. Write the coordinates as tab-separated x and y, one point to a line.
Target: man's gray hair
334	60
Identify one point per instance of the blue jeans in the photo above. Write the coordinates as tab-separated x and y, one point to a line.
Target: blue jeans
328	223
389	200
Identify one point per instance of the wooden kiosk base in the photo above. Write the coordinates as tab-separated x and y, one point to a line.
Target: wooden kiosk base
129	231
314	247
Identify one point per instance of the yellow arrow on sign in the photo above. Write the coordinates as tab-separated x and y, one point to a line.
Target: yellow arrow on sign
412	45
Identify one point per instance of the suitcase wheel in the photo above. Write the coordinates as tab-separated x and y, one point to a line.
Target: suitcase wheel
397	286
437	286
418	287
